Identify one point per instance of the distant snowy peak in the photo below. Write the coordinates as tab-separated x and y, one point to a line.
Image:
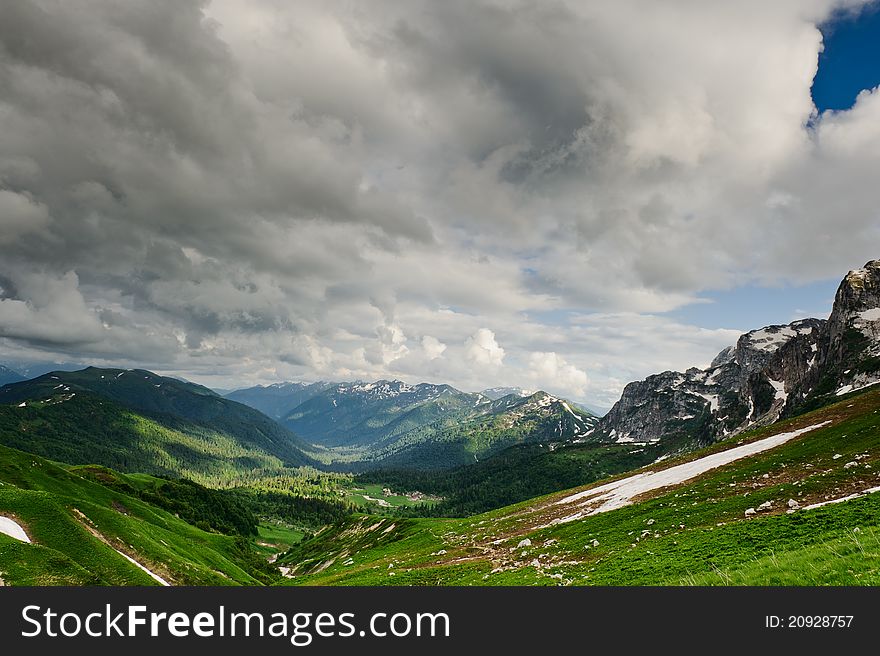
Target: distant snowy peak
285	386
388	389
496	393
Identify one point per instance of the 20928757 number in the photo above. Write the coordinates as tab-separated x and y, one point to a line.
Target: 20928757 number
819	621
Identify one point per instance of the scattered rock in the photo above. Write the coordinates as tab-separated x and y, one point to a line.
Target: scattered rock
750	512
649	522
794	505
524	543
850	464
595	543
765	506
766	476
836	456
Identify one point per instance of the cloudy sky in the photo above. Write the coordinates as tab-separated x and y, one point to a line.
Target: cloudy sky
559	195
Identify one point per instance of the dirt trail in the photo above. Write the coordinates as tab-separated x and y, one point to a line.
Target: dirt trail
90	527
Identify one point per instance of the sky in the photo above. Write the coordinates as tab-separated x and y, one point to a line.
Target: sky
556	195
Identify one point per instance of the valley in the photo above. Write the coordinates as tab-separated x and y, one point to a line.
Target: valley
761	469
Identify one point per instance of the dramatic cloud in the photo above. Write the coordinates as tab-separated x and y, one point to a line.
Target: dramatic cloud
480	193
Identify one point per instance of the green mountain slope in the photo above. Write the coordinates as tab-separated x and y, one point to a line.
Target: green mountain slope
80	530
730	524
391	424
129	421
362	414
517	473
277	400
485	430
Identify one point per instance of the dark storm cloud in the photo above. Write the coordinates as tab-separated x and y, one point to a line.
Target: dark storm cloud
333	189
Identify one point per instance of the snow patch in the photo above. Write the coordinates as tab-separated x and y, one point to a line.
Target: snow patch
779	386
712	399
13	529
621	492
770	339
849	497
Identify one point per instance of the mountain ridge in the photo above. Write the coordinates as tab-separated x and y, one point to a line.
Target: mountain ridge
143	408
770	373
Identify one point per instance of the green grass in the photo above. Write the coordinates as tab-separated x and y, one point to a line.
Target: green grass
279	534
516	474
695	533
358	496
76	525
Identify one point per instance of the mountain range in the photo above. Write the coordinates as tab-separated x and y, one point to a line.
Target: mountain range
389	423
759	469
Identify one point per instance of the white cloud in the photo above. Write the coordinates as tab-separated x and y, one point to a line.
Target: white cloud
433	347
552	372
482	349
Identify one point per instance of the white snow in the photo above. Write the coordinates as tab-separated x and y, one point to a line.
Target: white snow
137	564
870	315
849	497
852	388
767	340
13	529
712	399
570	411
23	404
779	386
621	492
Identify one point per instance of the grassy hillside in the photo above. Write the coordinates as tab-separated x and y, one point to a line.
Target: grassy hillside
520	472
439	434
695	532
78	526
171	403
87	428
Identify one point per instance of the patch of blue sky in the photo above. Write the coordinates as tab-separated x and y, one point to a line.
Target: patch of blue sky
850	62
750	307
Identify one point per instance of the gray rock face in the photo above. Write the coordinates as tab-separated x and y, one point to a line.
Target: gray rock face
849	357
768	373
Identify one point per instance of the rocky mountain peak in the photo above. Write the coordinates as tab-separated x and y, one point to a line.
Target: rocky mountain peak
858	292
769	373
